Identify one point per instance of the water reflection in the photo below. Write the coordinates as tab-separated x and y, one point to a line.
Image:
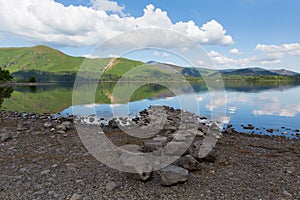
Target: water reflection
264	104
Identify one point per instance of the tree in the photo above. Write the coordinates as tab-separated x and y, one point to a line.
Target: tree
32	79
5	75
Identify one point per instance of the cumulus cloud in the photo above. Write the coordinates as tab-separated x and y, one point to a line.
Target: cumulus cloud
107	5
53	23
235	51
221	59
279	50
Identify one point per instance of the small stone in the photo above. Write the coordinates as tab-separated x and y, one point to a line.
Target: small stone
80	182
76	197
61	127
39	193
61	132
71	166
110	186
172	175
6	137
45	172
48	125
66	124
270	130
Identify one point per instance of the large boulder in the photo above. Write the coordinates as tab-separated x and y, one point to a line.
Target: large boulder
172	175
188	162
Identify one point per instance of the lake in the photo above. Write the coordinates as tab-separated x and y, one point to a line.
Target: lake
265	105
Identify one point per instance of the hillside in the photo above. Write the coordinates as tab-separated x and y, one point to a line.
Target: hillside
39	58
48	64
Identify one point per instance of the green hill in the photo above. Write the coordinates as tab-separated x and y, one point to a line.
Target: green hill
47	64
39	58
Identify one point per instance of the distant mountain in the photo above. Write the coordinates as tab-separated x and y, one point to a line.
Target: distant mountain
285	72
250	72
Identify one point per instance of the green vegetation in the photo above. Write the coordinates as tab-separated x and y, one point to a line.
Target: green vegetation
4	75
50	65
5	92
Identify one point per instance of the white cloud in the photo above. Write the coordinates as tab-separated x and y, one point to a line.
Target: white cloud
156	53
53	23
107	5
235	51
165	55
279	50
200	62
225	61
271	106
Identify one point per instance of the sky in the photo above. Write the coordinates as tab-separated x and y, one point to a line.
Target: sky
233	33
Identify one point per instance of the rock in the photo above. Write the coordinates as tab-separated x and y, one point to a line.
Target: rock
71	166
76	197
249	127
161	139
61	132
48	125
172	175
110	186
91	119
5	137
176	148
188	162
131	148
152	145
140	166
195	148
61	127
66	123
270	130
80	182
39	193
286	194
229	131
45	172
113	124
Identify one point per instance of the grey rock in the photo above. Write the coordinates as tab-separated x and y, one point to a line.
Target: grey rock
72	166
66	124
131	148
6	137
39	193
110	186
48	125
76	196
172	175
61	127
45	172
61	132
195	148
176	148
188	162
161	139
152	145
113	124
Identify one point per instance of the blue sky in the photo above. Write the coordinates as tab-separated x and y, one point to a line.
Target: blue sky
258	32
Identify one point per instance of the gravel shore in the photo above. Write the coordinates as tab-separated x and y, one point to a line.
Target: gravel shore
40	162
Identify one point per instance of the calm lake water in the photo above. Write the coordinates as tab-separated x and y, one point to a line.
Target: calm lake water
266	105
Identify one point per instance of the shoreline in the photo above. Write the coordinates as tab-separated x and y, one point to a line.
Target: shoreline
39	161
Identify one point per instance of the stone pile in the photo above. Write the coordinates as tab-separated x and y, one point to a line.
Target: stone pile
171	133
